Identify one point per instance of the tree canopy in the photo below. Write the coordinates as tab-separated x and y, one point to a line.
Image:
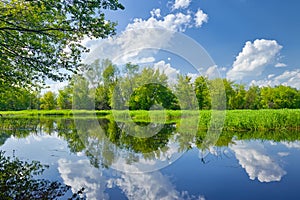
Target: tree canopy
41	39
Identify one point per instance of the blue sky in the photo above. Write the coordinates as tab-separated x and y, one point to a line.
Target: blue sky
273	24
250	41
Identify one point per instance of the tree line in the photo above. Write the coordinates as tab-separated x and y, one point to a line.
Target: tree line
105	87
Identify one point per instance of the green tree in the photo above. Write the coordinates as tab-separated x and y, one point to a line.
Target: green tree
202	92
149	95
48	101
133	86
185	94
267	97
39	38
82	98
64	98
219	88
238	99
106	85
18	99
17	181
102	98
253	98
285	97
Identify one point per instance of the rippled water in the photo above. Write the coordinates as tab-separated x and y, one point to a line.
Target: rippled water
110	163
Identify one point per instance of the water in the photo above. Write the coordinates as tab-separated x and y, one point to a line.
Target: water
112	164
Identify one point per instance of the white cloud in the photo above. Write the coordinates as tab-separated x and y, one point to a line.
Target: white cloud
157	186
181	4
223	69
280	65
253	59
54	87
166	68
212	72
283	154
155	13
257	163
80	174
193	76
291	145
271	76
130	45
200	18
289	78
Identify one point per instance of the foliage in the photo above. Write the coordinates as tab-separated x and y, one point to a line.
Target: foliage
104	87
184	91
17	181
102	139
152	96
48	101
42	39
202	92
82	98
64	98
18	99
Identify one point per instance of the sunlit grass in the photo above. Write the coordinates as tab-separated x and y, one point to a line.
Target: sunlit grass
235	119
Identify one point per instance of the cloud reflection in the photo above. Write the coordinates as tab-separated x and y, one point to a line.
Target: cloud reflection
252	156
152	185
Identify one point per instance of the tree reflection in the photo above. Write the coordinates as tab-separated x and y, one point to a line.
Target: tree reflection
17	181
102	140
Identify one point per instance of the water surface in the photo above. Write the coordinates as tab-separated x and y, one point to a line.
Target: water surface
110	163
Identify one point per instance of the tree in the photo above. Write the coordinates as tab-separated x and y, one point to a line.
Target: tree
132	86
48	101
237	100
64	99
17	181
184	91
253	98
41	39
105	79
81	94
285	97
18	99
202	92
148	95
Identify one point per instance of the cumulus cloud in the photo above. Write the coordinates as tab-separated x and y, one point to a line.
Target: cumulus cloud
288	77
253	59
80	174
291	78
280	65
143	33
200	18
54	86
168	70
158	186
173	22
130	45
181	4
292	145
257	163
155	13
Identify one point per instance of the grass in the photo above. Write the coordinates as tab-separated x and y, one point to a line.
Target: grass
66	113
236	120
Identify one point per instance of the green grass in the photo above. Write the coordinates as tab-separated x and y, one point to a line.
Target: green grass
236	120
262	119
71	113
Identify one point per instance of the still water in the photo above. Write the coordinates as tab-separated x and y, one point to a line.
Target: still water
110	163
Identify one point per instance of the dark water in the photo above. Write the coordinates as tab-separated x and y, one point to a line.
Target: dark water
110	162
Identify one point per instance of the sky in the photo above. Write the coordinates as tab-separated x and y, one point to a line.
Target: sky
253	42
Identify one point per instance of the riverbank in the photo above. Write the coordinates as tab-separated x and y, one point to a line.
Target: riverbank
233	119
